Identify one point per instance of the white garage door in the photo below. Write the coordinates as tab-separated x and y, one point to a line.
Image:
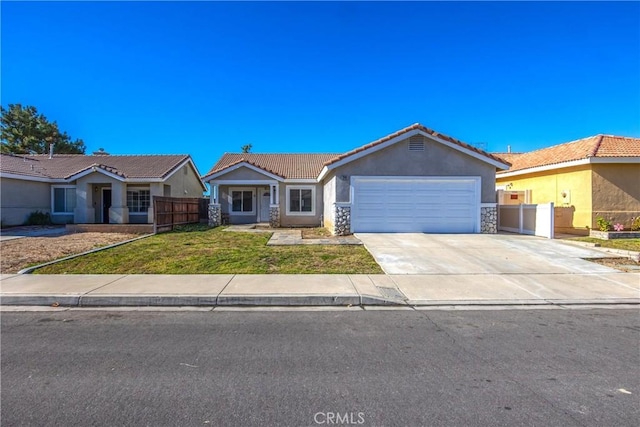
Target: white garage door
416	204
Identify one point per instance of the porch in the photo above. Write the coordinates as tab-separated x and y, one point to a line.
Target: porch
244	202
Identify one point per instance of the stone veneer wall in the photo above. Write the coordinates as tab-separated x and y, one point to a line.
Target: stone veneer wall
488	220
274	216
215	215
342	224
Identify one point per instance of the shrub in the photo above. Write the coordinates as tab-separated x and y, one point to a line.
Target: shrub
38	218
635	224
603	224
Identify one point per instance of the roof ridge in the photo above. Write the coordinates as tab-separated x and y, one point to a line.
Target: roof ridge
594	152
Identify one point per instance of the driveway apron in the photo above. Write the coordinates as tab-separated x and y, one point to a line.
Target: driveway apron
417	253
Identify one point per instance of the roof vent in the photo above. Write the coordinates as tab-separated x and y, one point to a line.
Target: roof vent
416	143
100	152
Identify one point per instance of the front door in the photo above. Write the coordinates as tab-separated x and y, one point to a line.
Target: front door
265	201
106	204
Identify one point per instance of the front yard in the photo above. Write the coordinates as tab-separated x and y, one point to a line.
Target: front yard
624	244
200	250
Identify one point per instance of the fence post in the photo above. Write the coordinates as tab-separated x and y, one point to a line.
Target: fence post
521	218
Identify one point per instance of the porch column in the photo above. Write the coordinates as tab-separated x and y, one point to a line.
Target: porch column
215	209
155	189
119	212
274	207
84	213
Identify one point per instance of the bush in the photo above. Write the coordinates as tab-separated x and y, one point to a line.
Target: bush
38	218
603	224
635	223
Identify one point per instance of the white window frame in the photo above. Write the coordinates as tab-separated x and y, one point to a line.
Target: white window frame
53	200
253	200
313	199
139	189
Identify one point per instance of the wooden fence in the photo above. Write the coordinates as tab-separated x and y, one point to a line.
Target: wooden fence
171	211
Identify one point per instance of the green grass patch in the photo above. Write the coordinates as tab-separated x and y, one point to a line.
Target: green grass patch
625	244
200	250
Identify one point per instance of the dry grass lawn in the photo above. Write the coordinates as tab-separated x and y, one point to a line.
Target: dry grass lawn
201	250
22	253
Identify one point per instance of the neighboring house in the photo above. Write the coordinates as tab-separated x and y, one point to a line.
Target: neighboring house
82	189
599	175
414	180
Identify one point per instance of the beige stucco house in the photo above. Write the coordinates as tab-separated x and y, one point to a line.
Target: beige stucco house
414	180
92	189
590	177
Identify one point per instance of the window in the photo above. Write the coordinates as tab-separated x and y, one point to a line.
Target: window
64	200
301	200
138	201
242	202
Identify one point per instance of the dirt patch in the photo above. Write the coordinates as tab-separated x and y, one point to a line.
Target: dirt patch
316	233
624	264
21	253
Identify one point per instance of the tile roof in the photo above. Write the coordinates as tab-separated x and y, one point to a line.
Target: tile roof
593	146
309	166
64	166
416	126
288	166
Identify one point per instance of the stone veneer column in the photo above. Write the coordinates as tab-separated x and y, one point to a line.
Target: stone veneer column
342	223
488	220
215	215
274	216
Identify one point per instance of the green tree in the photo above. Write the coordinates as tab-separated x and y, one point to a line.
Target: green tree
246	148
24	130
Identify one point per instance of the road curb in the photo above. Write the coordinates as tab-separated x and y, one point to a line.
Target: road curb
275	300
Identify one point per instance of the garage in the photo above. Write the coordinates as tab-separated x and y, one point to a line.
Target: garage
416	204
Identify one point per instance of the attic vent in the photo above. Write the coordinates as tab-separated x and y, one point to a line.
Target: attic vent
416	143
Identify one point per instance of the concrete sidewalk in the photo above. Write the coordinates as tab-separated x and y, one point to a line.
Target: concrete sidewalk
315	290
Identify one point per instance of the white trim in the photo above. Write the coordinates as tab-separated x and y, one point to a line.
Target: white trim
323	173
242	182
138	189
92	169
288	211
241	165
254	201
31	178
572	163
488	205
614	159
301	181
53	204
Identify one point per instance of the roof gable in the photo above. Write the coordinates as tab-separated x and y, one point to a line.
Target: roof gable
279	166
65	167
403	134
593	147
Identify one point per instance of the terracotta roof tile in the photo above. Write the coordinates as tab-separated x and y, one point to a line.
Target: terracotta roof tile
63	166
288	166
593	146
416	126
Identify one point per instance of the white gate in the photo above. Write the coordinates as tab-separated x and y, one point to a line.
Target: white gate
527	219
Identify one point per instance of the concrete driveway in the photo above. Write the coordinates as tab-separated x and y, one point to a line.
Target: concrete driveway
462	254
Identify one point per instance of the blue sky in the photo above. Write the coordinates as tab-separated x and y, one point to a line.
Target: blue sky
205	78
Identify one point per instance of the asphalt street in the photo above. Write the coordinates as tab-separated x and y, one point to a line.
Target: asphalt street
549	367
